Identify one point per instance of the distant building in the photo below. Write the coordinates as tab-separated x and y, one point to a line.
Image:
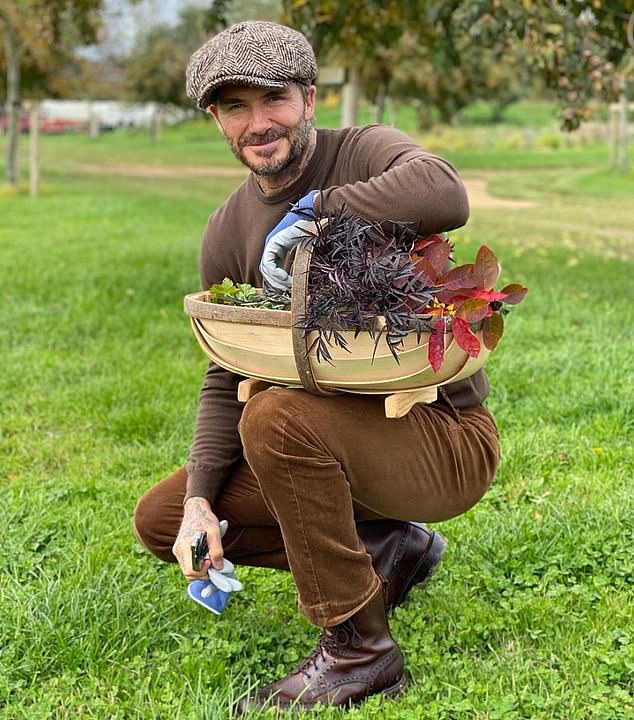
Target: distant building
59	116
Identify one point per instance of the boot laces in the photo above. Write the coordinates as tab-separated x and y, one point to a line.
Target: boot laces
331	642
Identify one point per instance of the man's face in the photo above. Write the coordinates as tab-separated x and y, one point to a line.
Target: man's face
267	128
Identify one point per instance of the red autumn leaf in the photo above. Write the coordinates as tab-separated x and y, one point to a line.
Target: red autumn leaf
487	268
436	345
419	245
473	310
487	294
464	293
444	296
458	298
462	276
492	329
437	252
464	337
451	297
428	275
514	293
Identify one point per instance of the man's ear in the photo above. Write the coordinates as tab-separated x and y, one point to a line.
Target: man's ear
213	111
309	104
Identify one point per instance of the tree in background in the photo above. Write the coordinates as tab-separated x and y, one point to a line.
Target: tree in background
414	52
440	70
476	74
94	79
578	48
155	67
39	35
360	35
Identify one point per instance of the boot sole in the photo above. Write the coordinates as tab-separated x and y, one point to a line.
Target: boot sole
245	704
428	565
399	688
431	561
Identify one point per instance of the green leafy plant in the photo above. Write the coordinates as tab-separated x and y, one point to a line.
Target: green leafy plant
229	293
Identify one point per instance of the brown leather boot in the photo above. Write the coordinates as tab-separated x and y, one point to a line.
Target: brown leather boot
403	555
352	661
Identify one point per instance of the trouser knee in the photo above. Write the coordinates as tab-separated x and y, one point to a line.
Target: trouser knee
262	425
152	528
144	527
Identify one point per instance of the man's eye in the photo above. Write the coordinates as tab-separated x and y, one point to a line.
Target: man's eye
235	106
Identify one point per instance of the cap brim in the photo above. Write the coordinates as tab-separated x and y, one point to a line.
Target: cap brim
207	98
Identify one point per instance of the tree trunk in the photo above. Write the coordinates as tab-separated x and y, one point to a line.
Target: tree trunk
448	112
34	147
155	127
12	56
424	117
350	98
378	111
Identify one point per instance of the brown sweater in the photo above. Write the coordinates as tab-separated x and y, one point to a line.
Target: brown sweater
380	174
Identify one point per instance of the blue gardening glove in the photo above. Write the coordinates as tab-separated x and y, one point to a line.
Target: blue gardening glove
214	594
224	579
292	228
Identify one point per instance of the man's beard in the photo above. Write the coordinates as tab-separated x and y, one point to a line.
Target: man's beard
298	139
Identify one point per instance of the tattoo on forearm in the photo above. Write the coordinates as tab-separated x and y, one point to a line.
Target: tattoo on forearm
196	516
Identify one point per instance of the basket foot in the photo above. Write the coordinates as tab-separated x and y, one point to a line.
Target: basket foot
399	404
250	387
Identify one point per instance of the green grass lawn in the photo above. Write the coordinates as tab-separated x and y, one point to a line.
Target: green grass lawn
531	614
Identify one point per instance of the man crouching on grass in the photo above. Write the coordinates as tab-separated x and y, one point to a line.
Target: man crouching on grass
326	487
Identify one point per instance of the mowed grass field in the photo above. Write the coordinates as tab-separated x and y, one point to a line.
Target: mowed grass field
531	615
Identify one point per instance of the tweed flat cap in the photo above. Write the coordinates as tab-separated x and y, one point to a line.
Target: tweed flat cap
256	53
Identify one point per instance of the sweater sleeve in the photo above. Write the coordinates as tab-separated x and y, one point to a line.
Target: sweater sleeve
400	182
217	446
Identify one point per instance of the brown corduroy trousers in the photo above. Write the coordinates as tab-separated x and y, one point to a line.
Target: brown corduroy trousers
312	468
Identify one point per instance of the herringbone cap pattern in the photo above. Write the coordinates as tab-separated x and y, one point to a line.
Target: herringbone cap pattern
255	53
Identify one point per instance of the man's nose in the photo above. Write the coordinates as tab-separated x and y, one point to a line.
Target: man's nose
259	120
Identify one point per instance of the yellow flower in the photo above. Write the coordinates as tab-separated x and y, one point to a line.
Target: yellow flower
439	308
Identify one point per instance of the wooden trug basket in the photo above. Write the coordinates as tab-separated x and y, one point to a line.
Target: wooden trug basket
269	348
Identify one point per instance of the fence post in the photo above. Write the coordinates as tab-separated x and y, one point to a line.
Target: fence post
94	121
614	112
618	133
621	158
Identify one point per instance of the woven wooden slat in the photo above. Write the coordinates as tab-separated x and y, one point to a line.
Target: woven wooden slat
299	300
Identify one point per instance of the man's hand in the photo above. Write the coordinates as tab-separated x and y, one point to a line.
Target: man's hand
198	516
291	229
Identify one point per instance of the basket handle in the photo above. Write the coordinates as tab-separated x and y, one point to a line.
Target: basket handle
299	300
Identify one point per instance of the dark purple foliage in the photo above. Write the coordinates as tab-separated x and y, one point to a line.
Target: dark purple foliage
360	272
